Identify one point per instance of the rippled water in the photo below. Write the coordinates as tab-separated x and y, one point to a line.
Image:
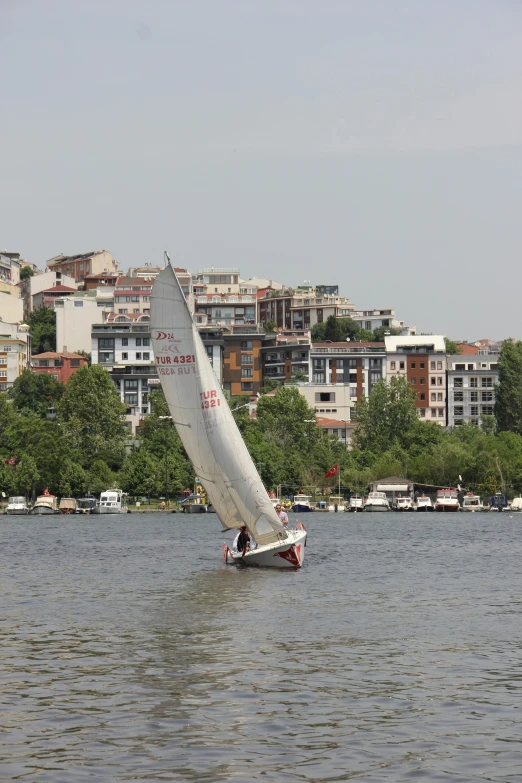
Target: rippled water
129	651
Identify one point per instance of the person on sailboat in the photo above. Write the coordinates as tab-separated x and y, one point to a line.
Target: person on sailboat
281	513
242	541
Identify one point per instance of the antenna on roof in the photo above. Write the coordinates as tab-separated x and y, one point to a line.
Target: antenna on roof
166	257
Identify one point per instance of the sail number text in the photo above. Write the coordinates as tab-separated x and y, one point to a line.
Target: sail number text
209	399
187	359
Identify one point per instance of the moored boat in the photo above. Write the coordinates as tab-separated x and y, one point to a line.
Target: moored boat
112	501
403	504
209	433
336	503
498	502
447	500
471	502
67	506
302	503
86	505
516	504
424	503
45	504
194	504
355	504
16	506
377	501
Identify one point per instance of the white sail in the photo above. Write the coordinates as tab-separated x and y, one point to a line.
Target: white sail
203	418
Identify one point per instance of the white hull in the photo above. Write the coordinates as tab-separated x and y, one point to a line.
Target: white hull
108	510
16	511
337	507
373	507
287	554
472	508
446	507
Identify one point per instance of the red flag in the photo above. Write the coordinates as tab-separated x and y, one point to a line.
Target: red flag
332	472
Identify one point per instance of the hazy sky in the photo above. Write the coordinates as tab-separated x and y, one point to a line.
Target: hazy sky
376	144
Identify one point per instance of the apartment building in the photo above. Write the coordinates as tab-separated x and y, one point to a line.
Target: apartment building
123	346
60	365
49	296
75	316
220	299
132	295
40	282
303	307
471	387
82	265
242	360
15	350
11	306
422	360
377	318
10	265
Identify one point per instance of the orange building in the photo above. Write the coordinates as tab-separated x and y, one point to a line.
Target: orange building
59	365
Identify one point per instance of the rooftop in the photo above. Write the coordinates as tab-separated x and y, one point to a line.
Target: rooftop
394	343
58	355
59	289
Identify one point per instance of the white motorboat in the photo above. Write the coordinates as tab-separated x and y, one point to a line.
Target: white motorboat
403	504
209	433
424	503
355	504
516	504
336	503
471	502
45	504
447	500
112	501
302	503
16	505
377	501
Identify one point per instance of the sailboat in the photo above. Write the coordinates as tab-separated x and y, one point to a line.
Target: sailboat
210	435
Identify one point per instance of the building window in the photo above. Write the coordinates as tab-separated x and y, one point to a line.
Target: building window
246	345
247	387
460	367
124	356
439	396
392	365
439	365
146	356
247	358
433	413
131	399
138	355
422	396
432	365
486	396
473	382
422	380
459	410
146	341
130	385
473	397
421	365
441	413
325	396
401	365
138	340
122	310
412	365
78	304
422	412
433	381
487	410
487	383
473	411
459	422
124	341
413	381
457	383
439	380
433	396
458	396
247	372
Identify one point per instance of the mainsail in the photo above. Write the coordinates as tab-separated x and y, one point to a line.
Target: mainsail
203	418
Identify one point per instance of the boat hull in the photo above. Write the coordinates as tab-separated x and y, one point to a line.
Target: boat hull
42	510
195	508
301	508
108	510
16	511
446	509
288	554
376	509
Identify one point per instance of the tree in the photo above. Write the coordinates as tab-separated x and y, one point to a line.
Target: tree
381	331
285	419
139	474
26	272
93	416
508	404
36	392
452	347
388	415
43	330
270	327
26	476
73	480
333	330
100	477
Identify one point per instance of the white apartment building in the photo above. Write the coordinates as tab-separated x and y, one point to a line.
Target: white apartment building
383	317
43	281
11	306
132	295
422	360
221	299
329	400
75	317
15	352
303	307
471	388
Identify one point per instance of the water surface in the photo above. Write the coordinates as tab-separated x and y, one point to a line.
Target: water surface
129	651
